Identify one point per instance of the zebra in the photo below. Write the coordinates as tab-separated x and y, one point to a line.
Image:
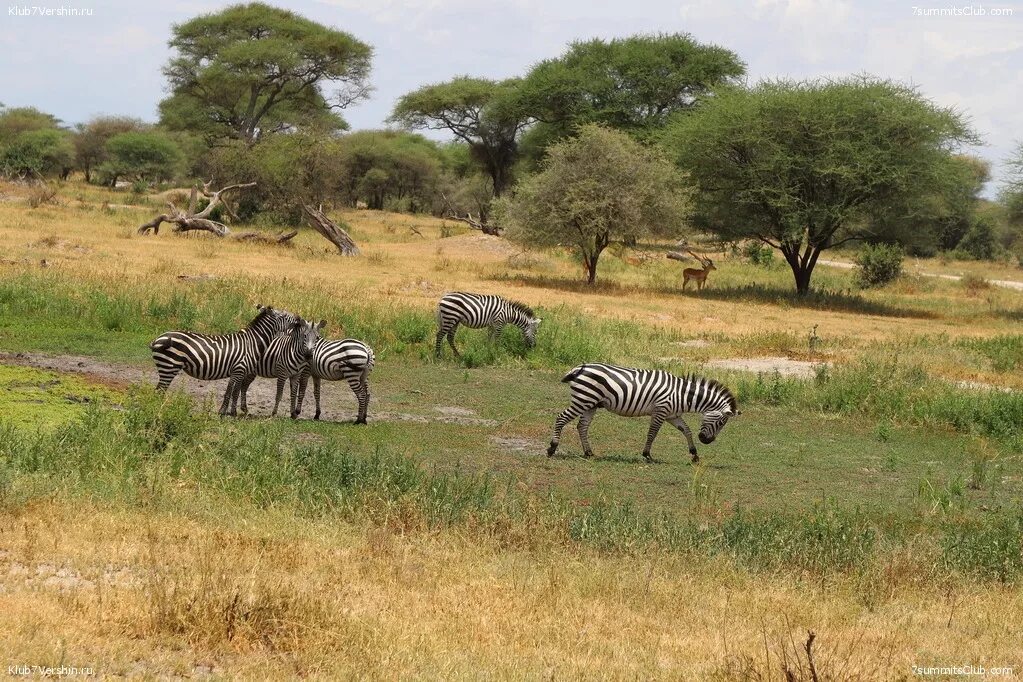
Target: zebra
286	357
223	356
640	392
482	310
347	359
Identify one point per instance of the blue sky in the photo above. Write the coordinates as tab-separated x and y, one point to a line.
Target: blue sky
79	66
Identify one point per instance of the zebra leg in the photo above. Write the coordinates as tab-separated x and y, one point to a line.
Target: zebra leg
584	430
361	391
303	383
294	397
681	425
245	394
451	341
167	374
316	394
280	392
655	425
559	424
227	397
437	349
495	332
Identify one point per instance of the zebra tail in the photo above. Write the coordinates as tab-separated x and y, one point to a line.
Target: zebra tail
572	375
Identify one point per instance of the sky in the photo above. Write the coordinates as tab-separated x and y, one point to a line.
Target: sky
108	60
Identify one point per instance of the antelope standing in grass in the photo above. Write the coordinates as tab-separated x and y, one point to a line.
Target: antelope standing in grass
700	276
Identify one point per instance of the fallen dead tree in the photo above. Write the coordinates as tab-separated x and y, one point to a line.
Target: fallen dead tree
188	220
478	223
283	239
331	231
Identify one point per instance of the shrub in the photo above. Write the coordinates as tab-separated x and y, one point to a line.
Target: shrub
980	242
878	264
758	254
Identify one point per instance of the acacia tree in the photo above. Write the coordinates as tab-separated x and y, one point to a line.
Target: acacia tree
478	111
632	84
253	69
597	188
90	140
807	166
1011	195
148	156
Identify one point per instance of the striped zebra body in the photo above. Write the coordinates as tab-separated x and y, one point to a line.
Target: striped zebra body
477	311
660	395
347	360
224	356
287	357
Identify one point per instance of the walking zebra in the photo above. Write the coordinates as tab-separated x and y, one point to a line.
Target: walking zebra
223	356
286	357
348	359
640	392
482	310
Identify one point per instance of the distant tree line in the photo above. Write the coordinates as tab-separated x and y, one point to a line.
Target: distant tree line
257	93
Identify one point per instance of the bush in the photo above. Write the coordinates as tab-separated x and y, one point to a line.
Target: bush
980	242
758	254
878	264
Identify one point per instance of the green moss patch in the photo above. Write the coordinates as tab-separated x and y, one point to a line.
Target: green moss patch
34	397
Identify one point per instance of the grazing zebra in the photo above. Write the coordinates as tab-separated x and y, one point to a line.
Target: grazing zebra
640	392
348	359
286	357
223	356
482	310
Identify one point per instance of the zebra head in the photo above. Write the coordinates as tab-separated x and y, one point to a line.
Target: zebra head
305	335
530	330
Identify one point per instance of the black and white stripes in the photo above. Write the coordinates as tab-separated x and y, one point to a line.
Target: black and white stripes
222	356
347	359
482	310
660	395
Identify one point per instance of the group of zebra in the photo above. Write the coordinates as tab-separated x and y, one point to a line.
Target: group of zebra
276	344
280	345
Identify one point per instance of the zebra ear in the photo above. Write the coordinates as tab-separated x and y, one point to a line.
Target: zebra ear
321	324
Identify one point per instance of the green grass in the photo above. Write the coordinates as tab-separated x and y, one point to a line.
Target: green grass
164	453
36	398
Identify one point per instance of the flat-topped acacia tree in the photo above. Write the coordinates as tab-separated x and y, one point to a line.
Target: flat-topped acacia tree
595	189
807	166
252	69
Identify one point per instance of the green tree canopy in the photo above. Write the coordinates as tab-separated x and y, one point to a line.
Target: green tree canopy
806	166
149	156
477	111
91	138
633	84
18	120
253	69
36	154
1011	194
599	187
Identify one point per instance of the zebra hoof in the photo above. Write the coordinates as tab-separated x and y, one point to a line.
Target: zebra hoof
648	458
360	421
588	454
696	458
552	449
316	416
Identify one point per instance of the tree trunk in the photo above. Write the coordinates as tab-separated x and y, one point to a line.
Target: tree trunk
330	231
802	264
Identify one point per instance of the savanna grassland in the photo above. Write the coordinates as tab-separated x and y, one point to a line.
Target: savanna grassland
874	499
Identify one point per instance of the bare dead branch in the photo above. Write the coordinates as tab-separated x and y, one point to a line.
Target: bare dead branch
330	231
189	220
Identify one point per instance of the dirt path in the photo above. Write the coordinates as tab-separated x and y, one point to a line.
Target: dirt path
1005	283
337	402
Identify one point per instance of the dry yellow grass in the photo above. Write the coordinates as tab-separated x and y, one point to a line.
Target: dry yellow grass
263	596
406	268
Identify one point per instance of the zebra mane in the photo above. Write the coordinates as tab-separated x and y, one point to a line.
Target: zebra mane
720	388
521	307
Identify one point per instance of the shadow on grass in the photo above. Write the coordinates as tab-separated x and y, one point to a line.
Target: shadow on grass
750	293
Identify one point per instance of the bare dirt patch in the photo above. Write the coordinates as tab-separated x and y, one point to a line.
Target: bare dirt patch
803	369
337	402
517	445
